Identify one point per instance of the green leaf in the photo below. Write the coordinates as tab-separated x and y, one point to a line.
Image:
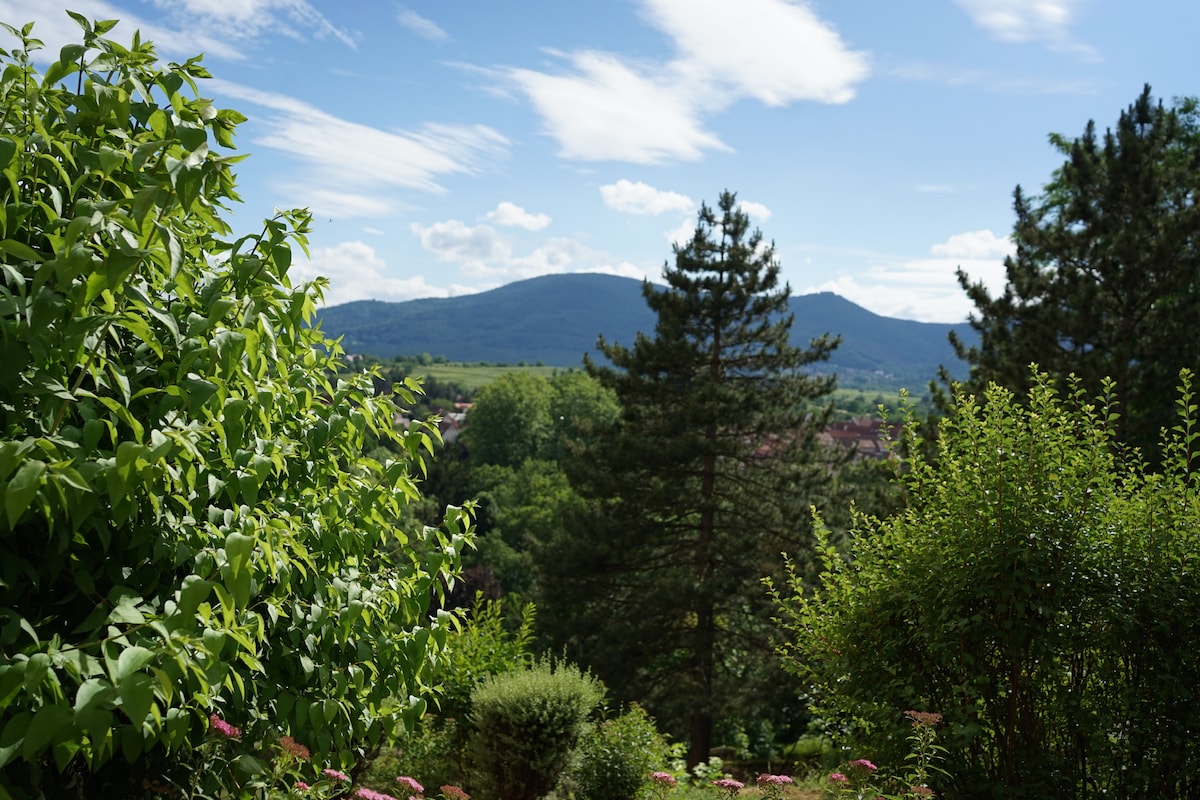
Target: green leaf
93	692
8	149
136	692
21	490
13	736
20	250
47	721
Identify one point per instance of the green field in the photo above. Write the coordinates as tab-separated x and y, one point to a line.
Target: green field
848	402
472	376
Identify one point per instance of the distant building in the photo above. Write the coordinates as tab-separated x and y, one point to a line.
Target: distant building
871	438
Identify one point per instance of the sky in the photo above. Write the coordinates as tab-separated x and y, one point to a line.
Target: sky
451	146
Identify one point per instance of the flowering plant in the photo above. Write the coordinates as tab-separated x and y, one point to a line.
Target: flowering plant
861	779
772	785
728	787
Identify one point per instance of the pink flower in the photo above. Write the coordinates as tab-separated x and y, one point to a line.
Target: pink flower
774	780
414	789
291	746
838	777
663	779
224	728
452	792
925	719
864	765
923	791
302	786
371	794
729	785
337	776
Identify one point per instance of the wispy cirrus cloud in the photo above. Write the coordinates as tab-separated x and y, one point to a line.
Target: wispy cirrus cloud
1046	21
182	28
356	176
606	107
422	26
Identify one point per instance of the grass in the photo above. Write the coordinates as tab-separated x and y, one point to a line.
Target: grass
472	376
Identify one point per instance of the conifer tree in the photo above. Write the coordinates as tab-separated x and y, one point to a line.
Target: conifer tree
1105	281
705	479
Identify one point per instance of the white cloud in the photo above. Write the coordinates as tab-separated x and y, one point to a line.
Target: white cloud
217	28
774	51
682	233
607	110
926	289
513	215
483	253
1046	21
974	244
356	272
756	211
421	26
367	161
641	198
476	248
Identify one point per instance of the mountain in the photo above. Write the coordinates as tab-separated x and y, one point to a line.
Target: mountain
555	319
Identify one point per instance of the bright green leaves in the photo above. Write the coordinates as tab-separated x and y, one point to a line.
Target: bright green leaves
187	520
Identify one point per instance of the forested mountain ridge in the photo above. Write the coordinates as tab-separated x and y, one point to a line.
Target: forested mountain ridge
555	319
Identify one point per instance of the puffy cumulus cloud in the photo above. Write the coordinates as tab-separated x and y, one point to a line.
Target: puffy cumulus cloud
422	26
604	107
1028	20
682	233
974	244
476	248
512	215
356	272
926	289
640	198
756	211
367	161
607	110
774	51
483	253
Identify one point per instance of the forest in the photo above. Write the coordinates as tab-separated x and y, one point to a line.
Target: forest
238	562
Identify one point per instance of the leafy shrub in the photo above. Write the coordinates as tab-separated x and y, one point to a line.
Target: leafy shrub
189	523
1038	590
616	756
526	725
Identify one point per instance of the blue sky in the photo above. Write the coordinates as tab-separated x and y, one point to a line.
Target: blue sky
451	146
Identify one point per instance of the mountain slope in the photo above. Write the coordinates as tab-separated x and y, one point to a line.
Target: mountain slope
555	319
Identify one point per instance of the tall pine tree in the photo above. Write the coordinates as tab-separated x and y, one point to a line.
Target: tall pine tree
706	478
1105	281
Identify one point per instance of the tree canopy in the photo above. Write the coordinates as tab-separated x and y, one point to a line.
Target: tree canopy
695	490
189	526
1105	281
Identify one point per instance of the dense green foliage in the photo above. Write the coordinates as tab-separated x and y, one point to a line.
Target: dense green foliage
525	725
1037	590
616	756
189	525
1105	282
483	644
705	478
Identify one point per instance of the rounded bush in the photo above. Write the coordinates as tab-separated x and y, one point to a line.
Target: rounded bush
526	725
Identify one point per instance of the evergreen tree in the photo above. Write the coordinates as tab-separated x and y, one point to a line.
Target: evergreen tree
1105	280
694	492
